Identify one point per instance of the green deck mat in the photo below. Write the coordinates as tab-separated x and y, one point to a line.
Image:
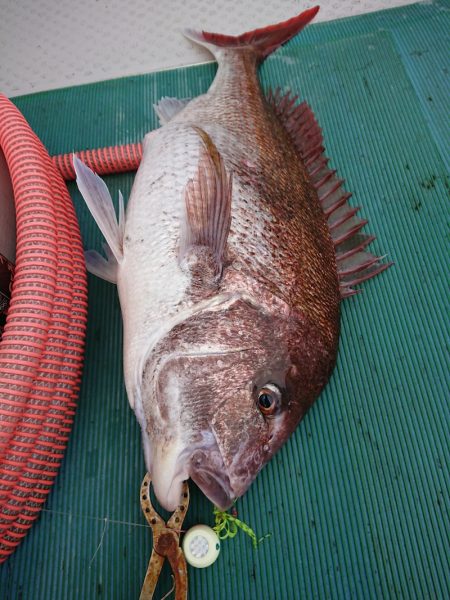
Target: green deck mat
357	501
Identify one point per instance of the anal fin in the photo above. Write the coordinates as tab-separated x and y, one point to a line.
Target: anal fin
354	264
167	108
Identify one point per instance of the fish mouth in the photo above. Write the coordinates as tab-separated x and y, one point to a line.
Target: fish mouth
207	470
203	464
215	486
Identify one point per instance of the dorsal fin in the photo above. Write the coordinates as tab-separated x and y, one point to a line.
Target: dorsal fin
353	263
208	206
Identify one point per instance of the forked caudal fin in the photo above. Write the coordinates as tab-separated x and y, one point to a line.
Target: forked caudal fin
354	264
99	201
262	41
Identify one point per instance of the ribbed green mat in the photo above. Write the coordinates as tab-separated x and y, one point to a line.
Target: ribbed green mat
357	502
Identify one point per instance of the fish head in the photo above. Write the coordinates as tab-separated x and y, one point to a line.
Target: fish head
222	394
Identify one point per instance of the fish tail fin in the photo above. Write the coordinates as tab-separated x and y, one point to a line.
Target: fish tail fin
100	204
262	41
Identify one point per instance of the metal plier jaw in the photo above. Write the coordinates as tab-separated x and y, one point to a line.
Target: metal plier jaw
166	543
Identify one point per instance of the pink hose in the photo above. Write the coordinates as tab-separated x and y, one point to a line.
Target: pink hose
104	161
41	351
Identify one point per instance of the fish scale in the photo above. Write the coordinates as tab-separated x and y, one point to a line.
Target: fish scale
228	278
274	198
154	218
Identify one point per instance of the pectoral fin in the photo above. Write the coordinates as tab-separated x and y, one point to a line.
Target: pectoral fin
207	207
100	204
105	268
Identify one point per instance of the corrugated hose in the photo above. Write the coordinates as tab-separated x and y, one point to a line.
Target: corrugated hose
41	350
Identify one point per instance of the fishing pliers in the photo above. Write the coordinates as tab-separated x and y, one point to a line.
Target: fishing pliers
166	543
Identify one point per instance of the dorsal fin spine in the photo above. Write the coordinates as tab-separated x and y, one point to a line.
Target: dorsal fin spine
344	226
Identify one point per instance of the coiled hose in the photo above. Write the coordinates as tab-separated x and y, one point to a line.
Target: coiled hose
41	350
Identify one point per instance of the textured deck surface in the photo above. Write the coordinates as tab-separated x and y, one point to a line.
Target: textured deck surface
357	502
56	43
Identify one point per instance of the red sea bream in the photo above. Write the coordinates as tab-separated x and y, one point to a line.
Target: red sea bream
231	261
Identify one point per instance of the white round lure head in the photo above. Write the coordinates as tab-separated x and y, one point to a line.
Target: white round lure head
201	546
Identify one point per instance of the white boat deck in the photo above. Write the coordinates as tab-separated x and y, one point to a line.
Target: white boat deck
48	44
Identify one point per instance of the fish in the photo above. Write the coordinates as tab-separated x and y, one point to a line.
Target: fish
231	260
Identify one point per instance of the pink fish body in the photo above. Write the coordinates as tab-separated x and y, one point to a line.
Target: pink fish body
231	260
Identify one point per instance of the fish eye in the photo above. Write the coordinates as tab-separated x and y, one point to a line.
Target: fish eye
269	398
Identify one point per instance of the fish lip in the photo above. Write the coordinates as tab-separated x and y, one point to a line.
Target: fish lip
207	470
216	488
